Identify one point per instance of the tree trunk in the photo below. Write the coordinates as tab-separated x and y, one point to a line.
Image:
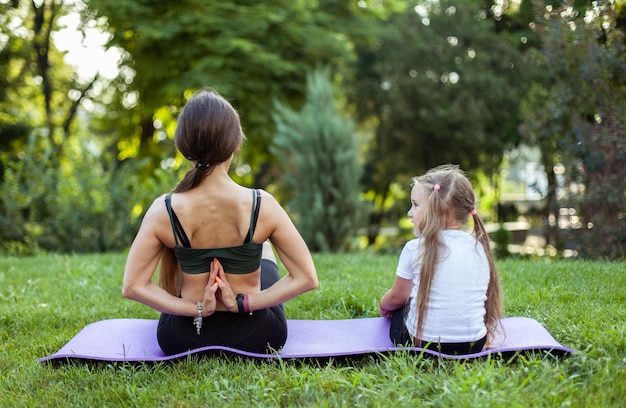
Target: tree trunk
551	212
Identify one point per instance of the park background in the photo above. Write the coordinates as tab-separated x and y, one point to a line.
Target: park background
342	102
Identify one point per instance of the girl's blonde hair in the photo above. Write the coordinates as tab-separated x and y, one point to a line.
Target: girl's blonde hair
451	201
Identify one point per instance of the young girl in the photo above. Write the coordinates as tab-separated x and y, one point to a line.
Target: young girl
446	295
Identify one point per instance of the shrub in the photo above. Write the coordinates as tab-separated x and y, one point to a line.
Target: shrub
318	150
84	204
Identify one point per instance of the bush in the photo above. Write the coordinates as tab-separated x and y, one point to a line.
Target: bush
83	204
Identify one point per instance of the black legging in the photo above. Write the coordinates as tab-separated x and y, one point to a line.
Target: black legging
400	336
260	332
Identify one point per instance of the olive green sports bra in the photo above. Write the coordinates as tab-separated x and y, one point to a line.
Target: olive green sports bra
242	259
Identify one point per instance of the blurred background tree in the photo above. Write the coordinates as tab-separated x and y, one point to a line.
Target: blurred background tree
319	153
252	52
578	118
441	87
54	190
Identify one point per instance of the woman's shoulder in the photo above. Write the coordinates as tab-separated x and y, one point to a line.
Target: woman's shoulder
158	203
156	217
264	193
267	199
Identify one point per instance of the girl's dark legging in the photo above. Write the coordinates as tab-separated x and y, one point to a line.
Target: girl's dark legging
400	336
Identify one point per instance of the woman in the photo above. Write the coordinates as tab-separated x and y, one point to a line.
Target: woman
219	281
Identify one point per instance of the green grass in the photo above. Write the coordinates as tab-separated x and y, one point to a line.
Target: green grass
46	300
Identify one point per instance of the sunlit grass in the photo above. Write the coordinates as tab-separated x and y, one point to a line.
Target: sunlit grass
46	300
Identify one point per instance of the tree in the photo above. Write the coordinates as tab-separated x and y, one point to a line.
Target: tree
319	152
518	20
442	87
579	118
36	83
251	52
40	97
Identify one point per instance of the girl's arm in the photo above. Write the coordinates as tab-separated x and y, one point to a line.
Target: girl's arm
396	297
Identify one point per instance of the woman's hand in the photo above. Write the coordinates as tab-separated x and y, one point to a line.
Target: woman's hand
209	298
225	294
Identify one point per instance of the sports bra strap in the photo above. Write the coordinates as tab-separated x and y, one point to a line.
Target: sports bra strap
179	232
177	227
254	216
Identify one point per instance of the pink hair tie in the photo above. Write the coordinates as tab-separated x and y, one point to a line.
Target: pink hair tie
473	212
437	187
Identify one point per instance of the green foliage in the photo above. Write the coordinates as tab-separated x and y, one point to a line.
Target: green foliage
55	191
442	84
319	153
259	52
578	118
45	300
251	52
82	206
38	90
443	87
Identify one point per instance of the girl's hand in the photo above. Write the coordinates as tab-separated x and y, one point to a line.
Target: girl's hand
225	294
396	297
384	312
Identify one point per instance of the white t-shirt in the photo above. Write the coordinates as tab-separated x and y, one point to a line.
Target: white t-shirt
456	306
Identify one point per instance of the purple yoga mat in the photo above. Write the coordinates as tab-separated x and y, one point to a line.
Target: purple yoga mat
135	340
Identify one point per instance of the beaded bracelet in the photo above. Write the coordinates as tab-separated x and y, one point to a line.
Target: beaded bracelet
197	321
246	304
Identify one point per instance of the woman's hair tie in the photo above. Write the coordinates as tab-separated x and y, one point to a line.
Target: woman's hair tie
437	187
473	212
202	166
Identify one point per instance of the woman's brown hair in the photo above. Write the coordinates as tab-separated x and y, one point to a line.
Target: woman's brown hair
208	132
451	203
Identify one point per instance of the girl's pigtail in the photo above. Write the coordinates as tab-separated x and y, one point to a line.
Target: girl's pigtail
432	246
494	302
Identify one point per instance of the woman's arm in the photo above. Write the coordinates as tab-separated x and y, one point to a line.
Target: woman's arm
142	262
275	224
395	297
